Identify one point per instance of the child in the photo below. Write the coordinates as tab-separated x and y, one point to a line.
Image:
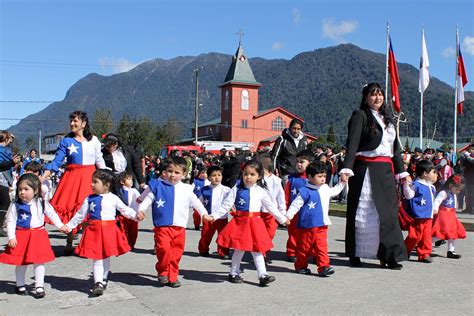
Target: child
36	168
446	225
312	223
296	181
102	238
198	183
212	196
28	241
129	196
421	194
246	231
170	200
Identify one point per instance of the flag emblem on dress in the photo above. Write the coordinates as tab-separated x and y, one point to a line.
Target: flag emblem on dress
242	199
74	151
394	78
95	206
311	214
24	215
207	198
163	207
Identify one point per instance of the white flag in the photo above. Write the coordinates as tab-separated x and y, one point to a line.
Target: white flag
424	64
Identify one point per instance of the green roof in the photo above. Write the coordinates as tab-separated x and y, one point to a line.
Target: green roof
240	71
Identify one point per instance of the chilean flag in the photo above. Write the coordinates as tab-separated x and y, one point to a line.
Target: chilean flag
394	78
461	80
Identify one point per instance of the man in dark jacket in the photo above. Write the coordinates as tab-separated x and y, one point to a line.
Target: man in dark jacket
291	142
468	173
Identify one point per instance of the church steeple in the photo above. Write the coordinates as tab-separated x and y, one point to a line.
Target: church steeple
240	71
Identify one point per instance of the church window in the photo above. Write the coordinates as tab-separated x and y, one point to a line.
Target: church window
245	100
226	100
226	124
278	124
244	124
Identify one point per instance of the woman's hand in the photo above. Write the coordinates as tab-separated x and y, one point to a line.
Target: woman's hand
12	243
64	229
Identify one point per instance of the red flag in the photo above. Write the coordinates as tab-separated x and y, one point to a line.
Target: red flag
461	80
394	78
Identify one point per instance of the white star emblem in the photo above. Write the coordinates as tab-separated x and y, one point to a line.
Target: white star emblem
91	207
293	191
423	201
160	203
450	201
311	204
206	201
72	149
241	201
24	216
198	187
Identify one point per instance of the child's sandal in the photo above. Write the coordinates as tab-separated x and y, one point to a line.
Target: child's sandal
39	292
20	290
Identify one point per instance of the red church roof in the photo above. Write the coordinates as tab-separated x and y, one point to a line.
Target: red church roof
278	108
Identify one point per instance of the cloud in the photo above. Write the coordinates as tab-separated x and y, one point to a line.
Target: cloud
448	52
296	13
278	45
116	65
337	31
468	45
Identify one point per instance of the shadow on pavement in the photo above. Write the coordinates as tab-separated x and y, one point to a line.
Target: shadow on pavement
204	276
148	251
134	278
67	283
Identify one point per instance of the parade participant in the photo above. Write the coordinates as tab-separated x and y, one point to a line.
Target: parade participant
417	157
312	203
31	157
468	173
199	182
28	241
442	166
36	168
129	196
246	231
446	225
170	200
421	194
102	238
373	154
212	196
83	153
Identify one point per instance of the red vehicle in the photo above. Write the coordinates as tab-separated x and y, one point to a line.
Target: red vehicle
178	150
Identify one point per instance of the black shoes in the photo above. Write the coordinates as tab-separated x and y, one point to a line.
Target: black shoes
453	255
174	284
355	262
304	271
393	265
163	280
439	243
426	260
291	259
21	290
234	278
266	280
98	289
327	271
39	292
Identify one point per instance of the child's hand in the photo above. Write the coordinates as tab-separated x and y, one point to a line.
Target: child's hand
344	177
140	216
207	218
64	229
288	222
12	243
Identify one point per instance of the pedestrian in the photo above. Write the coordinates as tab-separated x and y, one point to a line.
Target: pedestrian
28	242
102	238
468	173
246	231
170	200
446	225
31	157
129	196
312	204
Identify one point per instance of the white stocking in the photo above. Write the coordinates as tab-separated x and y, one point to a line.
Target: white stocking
451	243
235	265
259	264
39	275
98	268
20	272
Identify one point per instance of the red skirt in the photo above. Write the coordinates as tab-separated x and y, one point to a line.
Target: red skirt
447	226
102	239
32	247
246	232
74	187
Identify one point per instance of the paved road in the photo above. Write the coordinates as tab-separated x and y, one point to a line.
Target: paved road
443	287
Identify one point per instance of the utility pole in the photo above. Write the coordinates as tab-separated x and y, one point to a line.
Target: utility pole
196	99
39	144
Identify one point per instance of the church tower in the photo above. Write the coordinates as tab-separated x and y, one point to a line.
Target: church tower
239	99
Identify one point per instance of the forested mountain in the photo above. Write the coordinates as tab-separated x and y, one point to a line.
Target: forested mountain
321	86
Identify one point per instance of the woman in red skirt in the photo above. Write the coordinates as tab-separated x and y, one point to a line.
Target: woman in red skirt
83	153
246	231
28	241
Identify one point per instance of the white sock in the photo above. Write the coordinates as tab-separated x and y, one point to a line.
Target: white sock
106	267
235	265
20	272
451	243
39	275
259	261
98	268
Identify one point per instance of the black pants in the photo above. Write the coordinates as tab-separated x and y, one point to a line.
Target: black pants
4	203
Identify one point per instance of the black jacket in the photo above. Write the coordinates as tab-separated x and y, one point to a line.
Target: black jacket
284	152
134	164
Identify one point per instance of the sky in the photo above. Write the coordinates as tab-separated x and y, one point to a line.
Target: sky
48	45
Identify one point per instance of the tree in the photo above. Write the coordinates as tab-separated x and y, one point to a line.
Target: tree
102	123
331	137
407	145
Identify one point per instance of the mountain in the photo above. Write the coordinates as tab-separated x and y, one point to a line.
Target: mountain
321	86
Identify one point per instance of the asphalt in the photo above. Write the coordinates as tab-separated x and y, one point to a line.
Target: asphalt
444	287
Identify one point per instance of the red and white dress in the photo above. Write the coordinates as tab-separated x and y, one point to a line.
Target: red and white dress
446	224
102	238
25	223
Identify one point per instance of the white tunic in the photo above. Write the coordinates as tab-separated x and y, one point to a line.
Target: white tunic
276	192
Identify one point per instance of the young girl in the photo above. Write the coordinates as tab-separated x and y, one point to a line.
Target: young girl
129	196
28	241
246	231
446	225
198	183
101	238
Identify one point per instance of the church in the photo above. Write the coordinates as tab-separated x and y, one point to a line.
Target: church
241	121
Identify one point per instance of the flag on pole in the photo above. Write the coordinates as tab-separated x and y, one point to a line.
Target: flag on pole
394	78
424	80
461	79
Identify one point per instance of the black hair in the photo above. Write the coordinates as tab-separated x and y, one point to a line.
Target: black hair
83	117
423	166
33	182
4	135
306	154
266	161
164	165
213	169
454	181
367	91
315	167
125	175
180	162
34	167
33	149
112	139
295	121
253	163
109	178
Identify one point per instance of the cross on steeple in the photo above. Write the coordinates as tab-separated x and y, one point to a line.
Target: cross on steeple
240	34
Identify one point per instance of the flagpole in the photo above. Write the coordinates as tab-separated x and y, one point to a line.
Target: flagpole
421	96
456	91
386	62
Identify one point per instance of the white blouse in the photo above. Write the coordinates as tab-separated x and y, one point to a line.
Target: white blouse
385	147
120	163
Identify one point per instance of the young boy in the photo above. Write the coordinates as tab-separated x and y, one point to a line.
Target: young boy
198	183
171	200
312	224
212	196
296	181
421	194
36	168
129	195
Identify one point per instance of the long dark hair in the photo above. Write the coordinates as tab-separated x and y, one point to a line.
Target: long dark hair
33	182
83	117
367	91
259	168
112	139
108	177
